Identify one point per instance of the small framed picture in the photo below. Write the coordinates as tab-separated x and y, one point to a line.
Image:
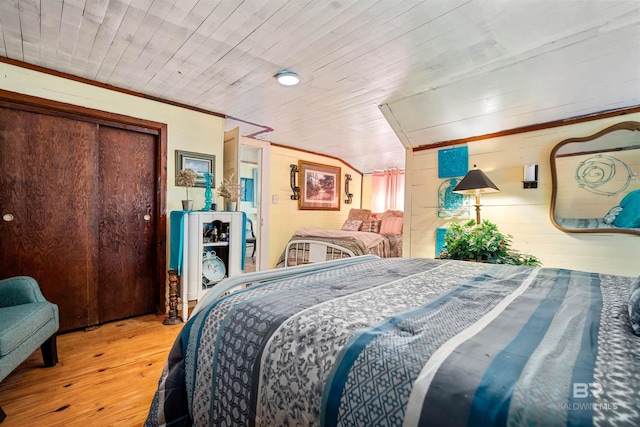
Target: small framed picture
319	186
199	163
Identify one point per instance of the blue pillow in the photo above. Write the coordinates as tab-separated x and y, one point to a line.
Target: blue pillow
630	215
634	305
629	197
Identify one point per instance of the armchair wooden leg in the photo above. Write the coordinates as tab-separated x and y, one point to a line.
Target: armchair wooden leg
49	351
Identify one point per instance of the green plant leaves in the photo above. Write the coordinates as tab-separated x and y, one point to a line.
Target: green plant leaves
483	242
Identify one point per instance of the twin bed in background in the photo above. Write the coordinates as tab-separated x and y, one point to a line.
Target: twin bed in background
366	341
625	216
362	233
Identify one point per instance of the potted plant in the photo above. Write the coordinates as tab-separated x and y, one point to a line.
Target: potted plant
482	243
186	178
230	189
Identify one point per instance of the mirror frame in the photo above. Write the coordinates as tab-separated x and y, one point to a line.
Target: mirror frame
630	126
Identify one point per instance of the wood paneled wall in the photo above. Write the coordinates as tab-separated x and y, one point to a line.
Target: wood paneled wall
523	213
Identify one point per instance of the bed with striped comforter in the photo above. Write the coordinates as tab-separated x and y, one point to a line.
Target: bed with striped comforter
358	242
408	342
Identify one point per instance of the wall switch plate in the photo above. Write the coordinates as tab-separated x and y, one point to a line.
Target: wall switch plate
274	199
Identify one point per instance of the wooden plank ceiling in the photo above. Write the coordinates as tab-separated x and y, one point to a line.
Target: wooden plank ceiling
377	75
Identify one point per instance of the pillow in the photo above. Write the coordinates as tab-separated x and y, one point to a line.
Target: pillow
634	305
399	214
351	225
359	214
612	214
629	217
372	226
391	225
388	213
629	197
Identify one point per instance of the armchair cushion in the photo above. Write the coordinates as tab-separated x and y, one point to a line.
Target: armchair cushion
27	321
20	322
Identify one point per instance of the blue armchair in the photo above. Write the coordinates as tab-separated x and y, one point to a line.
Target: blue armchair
27	321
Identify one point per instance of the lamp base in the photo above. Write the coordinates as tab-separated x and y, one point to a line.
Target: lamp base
477	209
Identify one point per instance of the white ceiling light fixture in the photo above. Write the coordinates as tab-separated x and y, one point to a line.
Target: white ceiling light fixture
287	78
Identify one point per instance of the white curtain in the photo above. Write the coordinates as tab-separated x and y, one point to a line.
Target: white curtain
387	190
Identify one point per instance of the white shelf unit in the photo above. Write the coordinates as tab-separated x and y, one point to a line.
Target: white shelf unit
230	251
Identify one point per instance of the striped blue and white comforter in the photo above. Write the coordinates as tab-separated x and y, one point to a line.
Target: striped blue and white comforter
402	341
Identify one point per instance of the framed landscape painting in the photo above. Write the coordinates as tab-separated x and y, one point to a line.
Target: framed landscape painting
319	186
200	163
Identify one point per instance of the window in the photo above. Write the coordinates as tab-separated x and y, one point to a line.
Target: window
387	190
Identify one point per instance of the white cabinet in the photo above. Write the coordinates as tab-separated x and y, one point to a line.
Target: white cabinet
213	246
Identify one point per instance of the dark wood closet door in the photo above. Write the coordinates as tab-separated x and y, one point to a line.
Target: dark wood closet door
127	247
46	185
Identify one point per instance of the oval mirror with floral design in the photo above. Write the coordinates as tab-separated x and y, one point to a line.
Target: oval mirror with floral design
595	185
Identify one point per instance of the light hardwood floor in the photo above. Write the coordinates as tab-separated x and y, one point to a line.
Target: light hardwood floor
249	264
105	377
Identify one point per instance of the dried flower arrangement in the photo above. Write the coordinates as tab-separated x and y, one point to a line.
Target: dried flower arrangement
186	178
230	189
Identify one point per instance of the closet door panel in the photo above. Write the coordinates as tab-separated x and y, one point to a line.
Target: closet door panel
46	180
127	246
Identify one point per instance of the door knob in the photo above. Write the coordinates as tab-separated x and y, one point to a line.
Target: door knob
8	217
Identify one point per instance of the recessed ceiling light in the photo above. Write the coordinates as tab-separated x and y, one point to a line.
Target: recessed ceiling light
287	78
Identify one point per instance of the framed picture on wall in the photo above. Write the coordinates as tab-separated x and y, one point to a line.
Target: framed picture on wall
200	163
319	186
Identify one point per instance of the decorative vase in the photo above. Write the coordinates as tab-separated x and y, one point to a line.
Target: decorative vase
208	194
187	205
231	206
